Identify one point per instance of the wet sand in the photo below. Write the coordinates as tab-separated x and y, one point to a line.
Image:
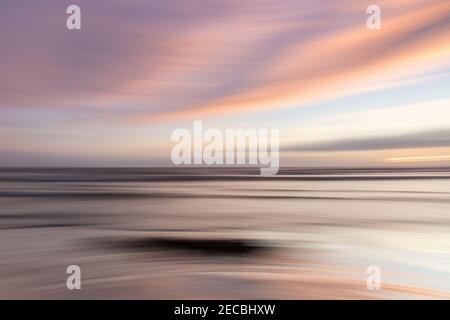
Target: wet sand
225	234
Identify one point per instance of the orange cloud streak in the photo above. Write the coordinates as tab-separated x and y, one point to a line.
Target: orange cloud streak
419	158
341	62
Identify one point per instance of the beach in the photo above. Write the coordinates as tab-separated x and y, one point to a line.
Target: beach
197	233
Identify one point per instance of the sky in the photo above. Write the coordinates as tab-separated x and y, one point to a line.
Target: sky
111	93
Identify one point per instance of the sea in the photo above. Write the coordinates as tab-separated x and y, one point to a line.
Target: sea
225	233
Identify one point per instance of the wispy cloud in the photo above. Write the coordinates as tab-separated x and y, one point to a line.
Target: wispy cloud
419	158
167	59
140	64
430	139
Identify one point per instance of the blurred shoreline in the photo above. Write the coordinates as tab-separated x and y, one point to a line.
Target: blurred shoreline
224	233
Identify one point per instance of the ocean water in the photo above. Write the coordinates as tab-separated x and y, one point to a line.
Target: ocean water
225	233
